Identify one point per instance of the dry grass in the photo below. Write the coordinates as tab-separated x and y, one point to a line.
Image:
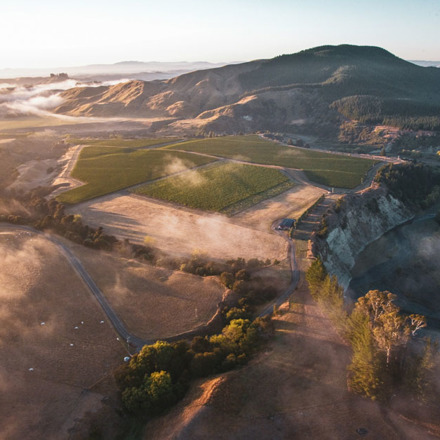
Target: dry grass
295	389
37	285
153	302
290	204
179	231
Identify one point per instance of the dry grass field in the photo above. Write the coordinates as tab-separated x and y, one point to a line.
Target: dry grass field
295	389
53	345
179	231
153	302
291	204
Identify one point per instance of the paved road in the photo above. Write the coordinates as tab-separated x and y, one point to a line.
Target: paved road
117	324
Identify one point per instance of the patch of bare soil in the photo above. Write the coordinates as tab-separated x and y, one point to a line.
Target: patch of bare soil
291	204
67	163
34	173
153	302
55	342
179	231
26	159
296	389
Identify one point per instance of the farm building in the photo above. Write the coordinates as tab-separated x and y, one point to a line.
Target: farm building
286	224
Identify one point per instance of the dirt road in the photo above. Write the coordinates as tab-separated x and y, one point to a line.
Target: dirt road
117	324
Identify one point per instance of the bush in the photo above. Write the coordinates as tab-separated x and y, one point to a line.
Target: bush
152	397
159	374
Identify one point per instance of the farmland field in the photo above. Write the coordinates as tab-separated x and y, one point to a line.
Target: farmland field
120	142
180	232
109	169
224	187
55	341
153	302
328	169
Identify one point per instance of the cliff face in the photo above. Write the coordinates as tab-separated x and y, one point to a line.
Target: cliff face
353	223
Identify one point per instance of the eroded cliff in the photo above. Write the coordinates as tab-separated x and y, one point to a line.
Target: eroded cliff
352	223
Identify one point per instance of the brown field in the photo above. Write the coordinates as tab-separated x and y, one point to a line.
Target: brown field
295	389
180	231
153	302
290	204
25	159
37	285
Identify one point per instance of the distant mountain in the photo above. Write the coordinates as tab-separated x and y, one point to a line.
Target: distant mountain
426	63
118	69
319	87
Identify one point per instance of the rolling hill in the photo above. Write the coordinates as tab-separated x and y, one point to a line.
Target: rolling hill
318	87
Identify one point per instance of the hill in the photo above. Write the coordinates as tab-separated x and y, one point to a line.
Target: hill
318	87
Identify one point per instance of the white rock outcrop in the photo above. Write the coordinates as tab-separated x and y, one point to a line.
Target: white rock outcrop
359	220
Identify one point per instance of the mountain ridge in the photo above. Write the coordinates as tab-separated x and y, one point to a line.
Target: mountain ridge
321	86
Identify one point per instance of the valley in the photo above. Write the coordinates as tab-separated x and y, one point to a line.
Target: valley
146	211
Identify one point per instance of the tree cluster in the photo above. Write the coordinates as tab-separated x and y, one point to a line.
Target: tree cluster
200	264
415	184
383	358
326	291
251	290
380	337
404	113
159	375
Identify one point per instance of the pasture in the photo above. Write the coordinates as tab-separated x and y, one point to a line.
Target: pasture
221	187
327	169
108	169
153	302
54	341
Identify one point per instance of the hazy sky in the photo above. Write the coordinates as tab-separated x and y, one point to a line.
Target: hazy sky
49	33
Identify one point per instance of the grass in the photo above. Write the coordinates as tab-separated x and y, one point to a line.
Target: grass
35	121
328	169
120	142
224	187
107	169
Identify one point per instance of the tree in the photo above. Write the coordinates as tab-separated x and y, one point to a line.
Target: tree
380	335
227	279
160	391
153	396
416	323
388	326
389	331
315	276
375	303
331	292
365	368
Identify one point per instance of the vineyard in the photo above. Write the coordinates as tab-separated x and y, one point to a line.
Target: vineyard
324	168
225	187
106	169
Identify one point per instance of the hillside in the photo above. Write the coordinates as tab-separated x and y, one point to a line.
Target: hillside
319	87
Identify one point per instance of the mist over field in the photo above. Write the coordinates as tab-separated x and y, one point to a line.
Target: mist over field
39	99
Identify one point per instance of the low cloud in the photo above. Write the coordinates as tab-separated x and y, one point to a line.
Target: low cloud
18	100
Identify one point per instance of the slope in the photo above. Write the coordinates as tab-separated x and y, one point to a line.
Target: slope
318	86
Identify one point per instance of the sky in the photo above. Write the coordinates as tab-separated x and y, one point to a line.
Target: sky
48	33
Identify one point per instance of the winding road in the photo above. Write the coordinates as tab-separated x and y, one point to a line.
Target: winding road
116	322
